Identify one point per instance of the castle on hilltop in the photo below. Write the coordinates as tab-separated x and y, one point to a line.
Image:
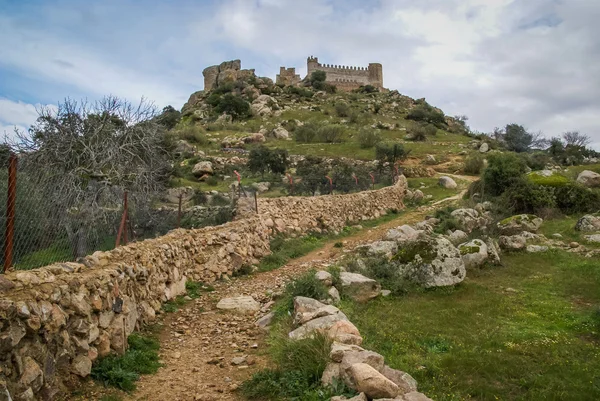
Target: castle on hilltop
343	77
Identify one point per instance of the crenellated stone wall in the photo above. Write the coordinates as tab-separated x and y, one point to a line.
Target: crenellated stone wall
347	78
56	320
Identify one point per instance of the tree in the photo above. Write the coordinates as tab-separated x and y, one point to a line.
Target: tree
503	170
262	160
169	117
312	172
318	76
84	156
517	138
574	138
389	153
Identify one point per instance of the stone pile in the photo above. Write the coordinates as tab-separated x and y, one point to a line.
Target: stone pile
361	370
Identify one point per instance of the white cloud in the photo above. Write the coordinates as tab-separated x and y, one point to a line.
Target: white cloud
536	63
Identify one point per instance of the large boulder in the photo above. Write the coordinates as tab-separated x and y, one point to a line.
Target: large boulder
431	261
469	219
518	242
263	105
328	310
474	253
318	325
589	179
366	379
359	287
202	168
458	237
484	147
172	195
403	380
280	133
517	224
588	223
402	234
447	182
387	248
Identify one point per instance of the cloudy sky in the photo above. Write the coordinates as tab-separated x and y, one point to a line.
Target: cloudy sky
532	62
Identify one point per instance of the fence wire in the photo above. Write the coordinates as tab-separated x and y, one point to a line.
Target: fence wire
50	227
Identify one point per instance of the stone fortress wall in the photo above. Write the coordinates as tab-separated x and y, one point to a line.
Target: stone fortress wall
345	78
56	320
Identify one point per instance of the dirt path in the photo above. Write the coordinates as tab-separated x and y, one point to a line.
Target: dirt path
199	342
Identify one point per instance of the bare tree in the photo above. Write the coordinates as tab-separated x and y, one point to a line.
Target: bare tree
85	155
575	138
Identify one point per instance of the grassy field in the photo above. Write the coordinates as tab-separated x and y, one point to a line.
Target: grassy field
526	331
432	188
565	226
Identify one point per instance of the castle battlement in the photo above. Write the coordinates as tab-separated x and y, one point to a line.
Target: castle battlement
348	77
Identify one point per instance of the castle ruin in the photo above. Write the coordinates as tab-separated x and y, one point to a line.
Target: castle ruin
345	78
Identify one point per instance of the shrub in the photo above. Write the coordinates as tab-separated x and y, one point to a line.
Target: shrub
523	196
199	198
306	133
387	274
368	138
219	200
193	134
122	371
537	161
342	110
307	285
502	171
426	113
447	221
263	159
299	91
474	164
233	105
212	181
418	134
330	133
574	198
366	89
390	153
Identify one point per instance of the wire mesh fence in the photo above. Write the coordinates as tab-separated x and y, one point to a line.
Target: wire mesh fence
40	224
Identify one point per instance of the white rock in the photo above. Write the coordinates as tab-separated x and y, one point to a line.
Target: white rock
519	223
474	253
592	238
588	223
589	179
387	248
458	237
365	379
243	304
324	277
447	182
536	248
359	287
484	147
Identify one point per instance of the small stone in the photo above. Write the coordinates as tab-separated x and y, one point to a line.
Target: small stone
385	293
238	360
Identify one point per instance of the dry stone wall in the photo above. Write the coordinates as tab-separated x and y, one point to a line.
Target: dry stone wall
56	320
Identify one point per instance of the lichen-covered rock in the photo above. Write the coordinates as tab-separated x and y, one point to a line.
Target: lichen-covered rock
469	219
519	223
474	253
320	325
280	133
402	234
324	277
202	168
359	287
447	182
588	223
301	318
458	237
431	262
536	248
589	179
387	248
518	241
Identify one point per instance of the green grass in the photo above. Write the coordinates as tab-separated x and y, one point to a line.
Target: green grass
433	189
478	341
565	226
122	371
283	250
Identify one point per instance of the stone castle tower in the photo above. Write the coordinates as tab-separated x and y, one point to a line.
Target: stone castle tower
348	78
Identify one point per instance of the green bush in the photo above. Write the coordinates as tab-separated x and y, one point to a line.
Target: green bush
299	91
368	138
523	196
342	110
330	133
262	160
537	161
193	134
474	164
306	133
235	106
212	181
447	221
387	274
426	113
307	285
502	171
574	198
122	371
418	134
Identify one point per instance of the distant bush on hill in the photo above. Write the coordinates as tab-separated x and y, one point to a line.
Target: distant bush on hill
426	113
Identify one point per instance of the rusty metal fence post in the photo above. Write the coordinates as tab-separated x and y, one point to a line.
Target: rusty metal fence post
179	211
11	201
123	226
256	202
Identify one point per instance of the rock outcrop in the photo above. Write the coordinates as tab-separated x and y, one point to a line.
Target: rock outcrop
517	224
589	179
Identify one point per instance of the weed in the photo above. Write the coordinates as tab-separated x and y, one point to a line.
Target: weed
338	245
307	285
122	371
